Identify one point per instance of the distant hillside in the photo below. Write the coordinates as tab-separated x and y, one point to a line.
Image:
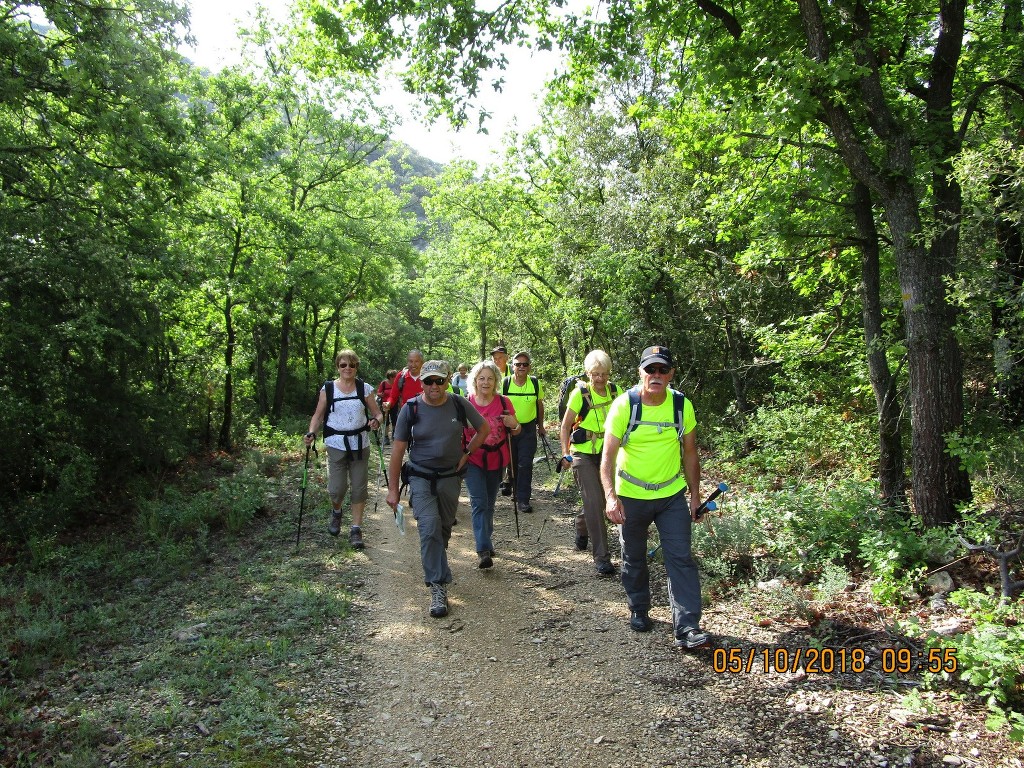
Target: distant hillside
409	166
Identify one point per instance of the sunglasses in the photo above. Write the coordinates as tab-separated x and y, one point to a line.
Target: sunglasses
662	369
521	365
347	365
432	382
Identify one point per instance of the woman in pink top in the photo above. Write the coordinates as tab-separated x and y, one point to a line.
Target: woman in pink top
487	463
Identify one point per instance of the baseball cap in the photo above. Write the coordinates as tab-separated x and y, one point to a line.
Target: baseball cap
656	355
435	368
499	348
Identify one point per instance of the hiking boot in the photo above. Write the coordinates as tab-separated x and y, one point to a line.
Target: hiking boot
485	560
438	600
639	621
525	509
606	569
692	638
334	527
355	537
581	543
506	489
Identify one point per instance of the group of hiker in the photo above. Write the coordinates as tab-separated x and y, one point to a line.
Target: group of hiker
633	454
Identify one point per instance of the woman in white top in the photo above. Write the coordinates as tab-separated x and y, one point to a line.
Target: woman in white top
343	411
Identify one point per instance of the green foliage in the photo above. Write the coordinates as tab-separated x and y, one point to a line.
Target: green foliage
794	439
990	657
899	551
180	515
114	598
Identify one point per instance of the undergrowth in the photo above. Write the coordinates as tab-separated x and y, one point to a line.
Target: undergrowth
181	636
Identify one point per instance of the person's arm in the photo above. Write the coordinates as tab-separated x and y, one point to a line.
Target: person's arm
317	419
395	470
691	466
375	414
565	436
612	504
540	411
483	429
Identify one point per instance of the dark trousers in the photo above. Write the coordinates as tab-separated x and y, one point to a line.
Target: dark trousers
524	446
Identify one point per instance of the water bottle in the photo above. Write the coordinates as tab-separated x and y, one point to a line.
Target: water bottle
400	517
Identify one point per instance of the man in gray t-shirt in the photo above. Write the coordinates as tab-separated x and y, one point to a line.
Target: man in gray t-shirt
431	427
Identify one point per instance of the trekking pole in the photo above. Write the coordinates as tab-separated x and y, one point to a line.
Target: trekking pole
305	482
380	454
549	454
512	471
709	505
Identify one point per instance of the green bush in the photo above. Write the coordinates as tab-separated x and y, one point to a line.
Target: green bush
793	439
990	658
898	552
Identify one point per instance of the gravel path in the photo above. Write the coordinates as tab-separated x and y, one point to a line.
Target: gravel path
535	666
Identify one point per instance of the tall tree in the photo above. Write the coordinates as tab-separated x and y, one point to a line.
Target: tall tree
886	80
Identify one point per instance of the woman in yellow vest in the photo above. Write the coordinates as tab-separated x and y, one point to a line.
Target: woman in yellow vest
582	438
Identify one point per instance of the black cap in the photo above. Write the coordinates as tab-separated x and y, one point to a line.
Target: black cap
656	355
499	348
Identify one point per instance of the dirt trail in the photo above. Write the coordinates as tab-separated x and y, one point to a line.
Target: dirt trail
535	666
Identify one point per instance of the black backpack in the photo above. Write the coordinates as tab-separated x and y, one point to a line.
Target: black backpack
359	394
576	382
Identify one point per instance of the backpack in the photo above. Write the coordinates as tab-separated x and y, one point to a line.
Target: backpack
328	431
636	413
588	401
414	413
565	390
507	382
635	420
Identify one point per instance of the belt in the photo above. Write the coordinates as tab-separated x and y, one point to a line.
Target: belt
645	485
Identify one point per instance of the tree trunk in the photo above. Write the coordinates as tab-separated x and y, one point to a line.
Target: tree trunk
282	356
891	468
935	367
483	325
224	439
1008	326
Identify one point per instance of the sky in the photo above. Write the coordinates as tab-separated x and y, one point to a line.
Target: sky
214	23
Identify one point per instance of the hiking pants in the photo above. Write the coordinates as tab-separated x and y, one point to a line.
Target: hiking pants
671	516
586	468
524	446
435	516
341	470
482	485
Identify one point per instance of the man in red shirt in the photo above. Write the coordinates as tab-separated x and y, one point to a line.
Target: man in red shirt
407	384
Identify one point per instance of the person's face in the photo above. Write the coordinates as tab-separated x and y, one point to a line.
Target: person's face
463	370
434	388
415	362
500	359
521	367
598	377
347	369
485	381
655	377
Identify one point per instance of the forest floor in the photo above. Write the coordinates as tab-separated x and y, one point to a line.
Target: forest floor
535	665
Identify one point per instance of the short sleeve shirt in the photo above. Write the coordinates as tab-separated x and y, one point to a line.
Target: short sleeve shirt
594	420
523	400
650	455
498	454
436	437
